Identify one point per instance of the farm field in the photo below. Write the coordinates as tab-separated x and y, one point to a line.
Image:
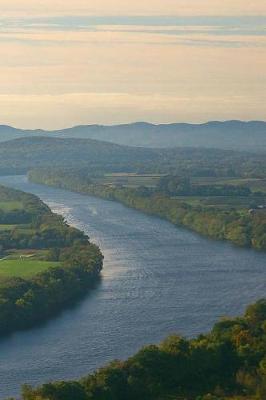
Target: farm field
23	268
7	227
33	254
223	202
129	180
134	180
20	228
16	258
255	184
10	205
42	262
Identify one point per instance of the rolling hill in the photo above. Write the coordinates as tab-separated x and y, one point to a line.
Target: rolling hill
230	135
20	155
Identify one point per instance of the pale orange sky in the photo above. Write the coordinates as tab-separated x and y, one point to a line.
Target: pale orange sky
136	7
60	67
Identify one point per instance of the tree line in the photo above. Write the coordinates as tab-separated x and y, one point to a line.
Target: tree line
235	225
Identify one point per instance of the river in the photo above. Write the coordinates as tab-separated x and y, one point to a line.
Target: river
157	279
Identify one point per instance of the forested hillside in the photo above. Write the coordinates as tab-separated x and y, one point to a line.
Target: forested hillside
20	155
229	363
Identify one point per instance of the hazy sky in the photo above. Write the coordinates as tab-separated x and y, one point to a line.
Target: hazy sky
112	61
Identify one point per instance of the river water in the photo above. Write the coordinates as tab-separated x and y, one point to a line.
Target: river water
157	279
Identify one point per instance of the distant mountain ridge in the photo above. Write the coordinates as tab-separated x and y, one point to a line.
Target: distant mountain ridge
229	135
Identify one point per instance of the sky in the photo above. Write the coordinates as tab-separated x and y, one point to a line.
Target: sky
66	63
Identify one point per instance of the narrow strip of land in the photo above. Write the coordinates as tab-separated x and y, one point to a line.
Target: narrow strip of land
232	212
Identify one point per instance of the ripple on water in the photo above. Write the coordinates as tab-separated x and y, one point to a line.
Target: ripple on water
157	280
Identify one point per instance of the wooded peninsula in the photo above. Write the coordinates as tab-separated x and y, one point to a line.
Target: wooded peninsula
45	265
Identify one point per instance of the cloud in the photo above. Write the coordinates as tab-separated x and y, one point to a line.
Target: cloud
65	63
79	108
88	22
136	7
198	31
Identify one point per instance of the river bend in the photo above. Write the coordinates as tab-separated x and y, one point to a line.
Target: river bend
157	279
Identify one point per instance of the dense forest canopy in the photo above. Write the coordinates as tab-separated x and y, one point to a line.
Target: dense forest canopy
229	363
18	156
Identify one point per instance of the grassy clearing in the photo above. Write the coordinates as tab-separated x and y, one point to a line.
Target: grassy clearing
23	268
254	184
129	180
22	229
133	180
222	202
7	227
32	254
25	231
11	205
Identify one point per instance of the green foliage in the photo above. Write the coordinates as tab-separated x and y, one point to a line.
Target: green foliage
18	156
215	366
65	264
23	268
181	186
234	224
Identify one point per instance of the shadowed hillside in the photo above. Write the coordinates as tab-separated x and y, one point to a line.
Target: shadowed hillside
20	155
236	135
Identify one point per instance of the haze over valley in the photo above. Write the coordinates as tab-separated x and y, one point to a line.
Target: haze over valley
230	135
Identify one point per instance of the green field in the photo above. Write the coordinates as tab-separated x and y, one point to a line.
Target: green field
23	229
7	227
129	180
30	254
11	205
133	180
23	268
222	202
255	184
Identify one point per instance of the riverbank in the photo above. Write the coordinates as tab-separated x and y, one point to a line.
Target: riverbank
157	279
45	265
236	225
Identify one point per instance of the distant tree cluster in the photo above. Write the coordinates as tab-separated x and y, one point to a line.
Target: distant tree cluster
181	186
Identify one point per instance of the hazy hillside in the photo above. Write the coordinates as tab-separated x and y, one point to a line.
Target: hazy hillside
235	135
226	135
10	133
20	155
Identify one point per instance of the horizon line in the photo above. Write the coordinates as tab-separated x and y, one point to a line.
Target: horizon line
139	122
